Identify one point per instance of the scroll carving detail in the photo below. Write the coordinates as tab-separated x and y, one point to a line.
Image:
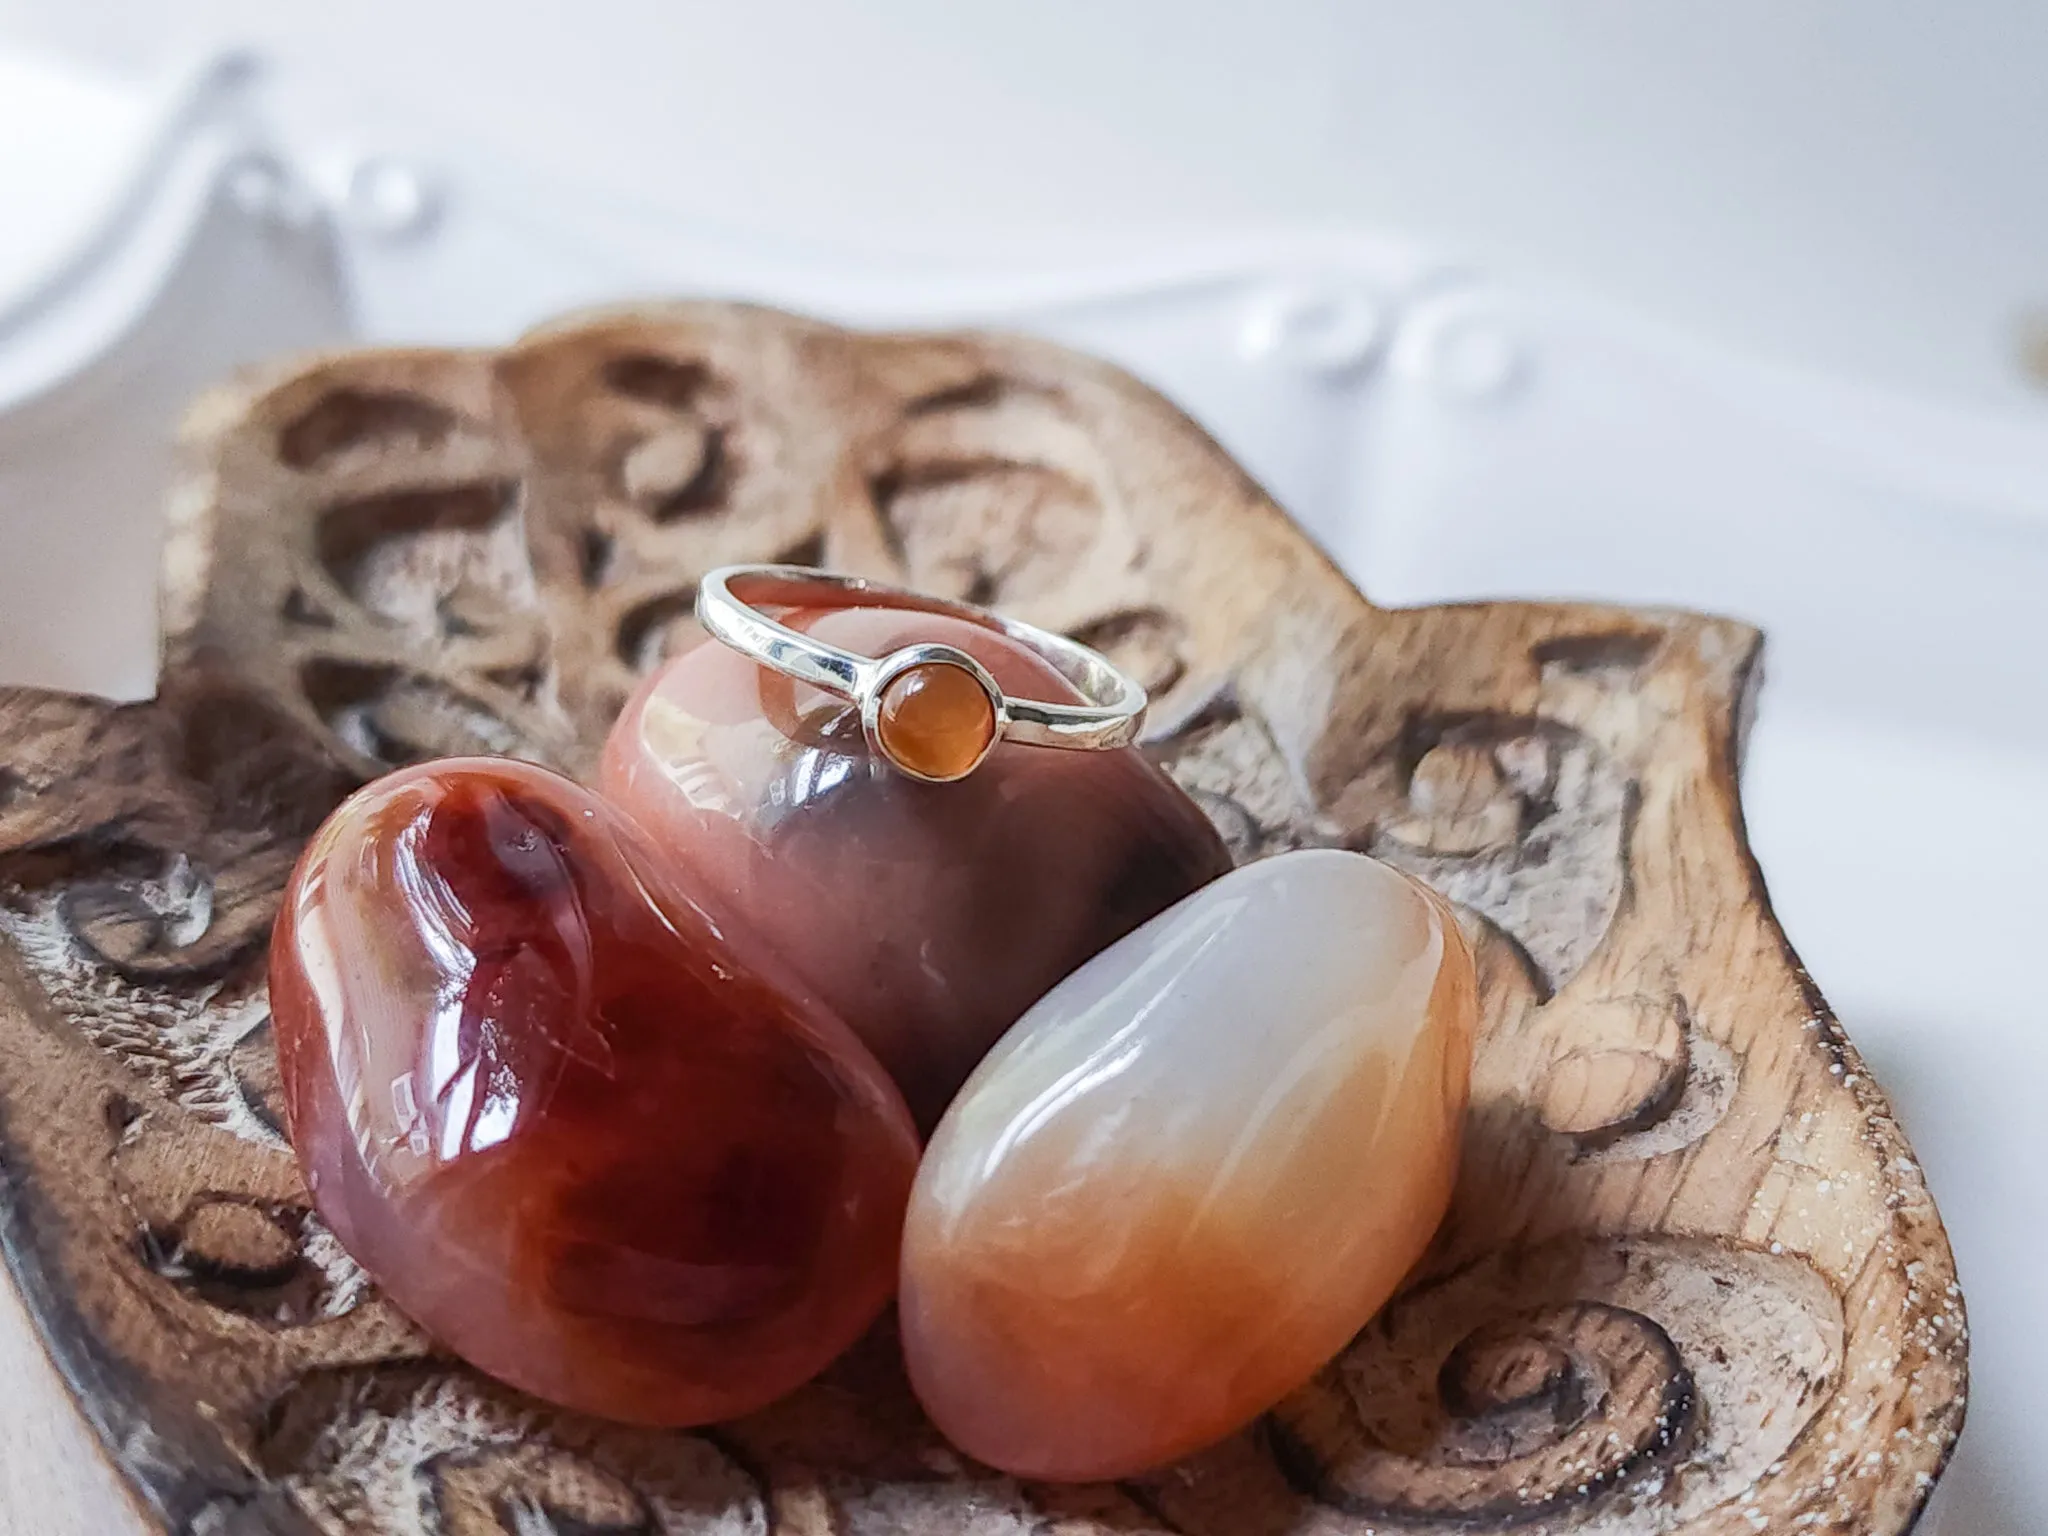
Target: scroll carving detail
1636	1319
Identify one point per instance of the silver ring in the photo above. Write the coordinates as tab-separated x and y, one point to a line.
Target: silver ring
1112	711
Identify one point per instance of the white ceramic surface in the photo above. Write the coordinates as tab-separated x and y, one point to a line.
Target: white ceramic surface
1445	434
1836	180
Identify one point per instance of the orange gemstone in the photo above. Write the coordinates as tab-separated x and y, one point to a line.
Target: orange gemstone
582	1126
1192	1171
766	792
935	720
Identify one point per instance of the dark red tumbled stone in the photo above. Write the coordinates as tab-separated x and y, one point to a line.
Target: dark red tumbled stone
928	916
592	1135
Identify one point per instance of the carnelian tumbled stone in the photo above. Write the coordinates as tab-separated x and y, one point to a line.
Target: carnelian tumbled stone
929	916
583	1128
1192	1172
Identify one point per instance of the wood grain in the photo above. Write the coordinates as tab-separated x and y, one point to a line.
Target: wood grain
1692	1280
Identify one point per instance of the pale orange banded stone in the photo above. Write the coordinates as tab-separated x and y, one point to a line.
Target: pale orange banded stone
1192	1172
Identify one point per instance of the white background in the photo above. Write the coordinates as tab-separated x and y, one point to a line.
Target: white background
1854	190
1851	182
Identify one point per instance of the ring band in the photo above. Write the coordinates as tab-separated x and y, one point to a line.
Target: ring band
1113	704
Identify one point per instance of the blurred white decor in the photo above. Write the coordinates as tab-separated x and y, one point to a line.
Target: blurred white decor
1448	428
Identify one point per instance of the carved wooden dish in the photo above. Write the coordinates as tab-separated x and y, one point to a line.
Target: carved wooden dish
1692	1281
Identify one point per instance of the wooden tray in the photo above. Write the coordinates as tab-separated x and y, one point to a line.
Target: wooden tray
1692	1281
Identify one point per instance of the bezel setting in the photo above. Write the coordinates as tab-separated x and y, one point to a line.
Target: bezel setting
871	688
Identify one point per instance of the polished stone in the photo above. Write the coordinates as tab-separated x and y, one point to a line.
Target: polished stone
1193	1172
929	916
582	1127
935	720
